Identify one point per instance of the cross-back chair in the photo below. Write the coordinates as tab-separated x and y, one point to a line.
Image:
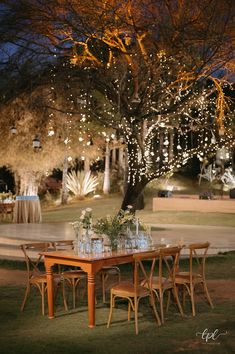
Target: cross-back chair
105	273
71	277
196	274
164	280
133	291
36	275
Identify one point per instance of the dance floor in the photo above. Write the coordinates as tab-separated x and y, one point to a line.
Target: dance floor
12	235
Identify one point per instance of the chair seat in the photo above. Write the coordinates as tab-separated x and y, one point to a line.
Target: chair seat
42	278
128	289
110	270
166	283
74	274
184	277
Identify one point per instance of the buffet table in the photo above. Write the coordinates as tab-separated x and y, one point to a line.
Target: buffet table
27	209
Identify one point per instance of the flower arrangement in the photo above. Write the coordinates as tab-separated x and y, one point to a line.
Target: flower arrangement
110	226
86	218
114	226
127	217
85	221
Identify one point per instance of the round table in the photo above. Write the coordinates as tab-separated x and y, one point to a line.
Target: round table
27	209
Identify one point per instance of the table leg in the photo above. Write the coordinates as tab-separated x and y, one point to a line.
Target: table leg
50	291
91	299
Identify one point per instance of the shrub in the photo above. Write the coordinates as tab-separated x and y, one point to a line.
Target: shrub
81	183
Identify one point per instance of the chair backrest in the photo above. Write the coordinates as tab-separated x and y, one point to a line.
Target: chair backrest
197	256
168	256
32	255
63	245
146	271
163	263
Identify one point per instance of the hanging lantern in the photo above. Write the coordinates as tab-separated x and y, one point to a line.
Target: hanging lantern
13	130
36	143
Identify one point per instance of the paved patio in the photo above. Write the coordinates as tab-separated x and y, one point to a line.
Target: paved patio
12	235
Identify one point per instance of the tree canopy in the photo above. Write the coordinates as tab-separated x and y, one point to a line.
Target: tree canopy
158	71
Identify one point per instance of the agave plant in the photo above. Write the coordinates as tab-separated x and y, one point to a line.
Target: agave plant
81	183
228	179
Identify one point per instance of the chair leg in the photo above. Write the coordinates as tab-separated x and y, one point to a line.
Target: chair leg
136	303
27	291
43	298
103	280
153	306
110	309
207	294
161	305
184	295
64	296
129	311
74	293
175	293
192	299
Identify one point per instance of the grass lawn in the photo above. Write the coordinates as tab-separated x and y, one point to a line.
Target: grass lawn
111	204
29	332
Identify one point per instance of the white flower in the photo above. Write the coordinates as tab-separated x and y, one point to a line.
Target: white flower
129	206
82	217
83	212
89	210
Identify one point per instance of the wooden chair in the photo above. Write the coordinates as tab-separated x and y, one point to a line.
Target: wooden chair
196	274
35	275
6	211
71	277
133	291
105	273
162	283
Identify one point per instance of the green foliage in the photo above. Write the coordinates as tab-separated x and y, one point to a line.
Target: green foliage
113	226
81	183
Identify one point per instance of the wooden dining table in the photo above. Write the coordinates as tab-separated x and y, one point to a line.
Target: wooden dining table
91	264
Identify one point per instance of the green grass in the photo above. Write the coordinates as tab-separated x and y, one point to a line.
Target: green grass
29	332
111	204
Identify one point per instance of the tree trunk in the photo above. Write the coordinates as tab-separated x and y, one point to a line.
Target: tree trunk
29	183
121	157
114	157
64	194
87	165
106	185
134	195
17	183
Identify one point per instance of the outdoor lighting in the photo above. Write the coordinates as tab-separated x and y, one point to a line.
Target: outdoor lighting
36	144
13	130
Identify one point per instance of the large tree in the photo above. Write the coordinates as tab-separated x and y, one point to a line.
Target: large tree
154	70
